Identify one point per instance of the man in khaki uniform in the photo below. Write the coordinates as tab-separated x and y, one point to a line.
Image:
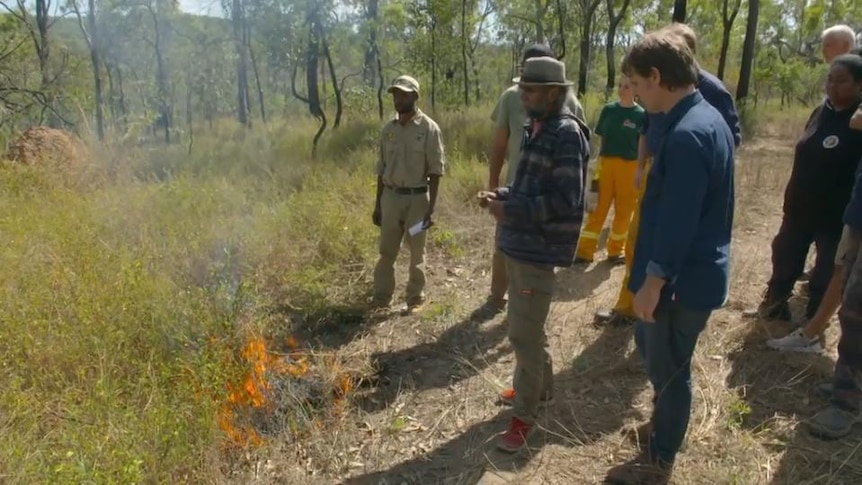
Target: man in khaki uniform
509	117
408	175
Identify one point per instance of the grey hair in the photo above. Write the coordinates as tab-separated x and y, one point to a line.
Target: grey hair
841	31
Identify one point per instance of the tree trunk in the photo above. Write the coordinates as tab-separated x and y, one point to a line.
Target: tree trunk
561	31
91	37
540	11
477	88
189	113
97	72
111	90
433	64
679	7
44	51
380	84
369	72
465	66
312	60
42	18
748	50
613	22
256	73
339	105
584	64
727	26
588	10
121	98
238	21
161	75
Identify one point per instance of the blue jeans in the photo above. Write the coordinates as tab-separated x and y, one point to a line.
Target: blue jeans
666	347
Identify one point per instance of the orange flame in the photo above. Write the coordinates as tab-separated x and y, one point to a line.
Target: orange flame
255	386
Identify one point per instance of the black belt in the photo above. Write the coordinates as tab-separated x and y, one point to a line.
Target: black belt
408	190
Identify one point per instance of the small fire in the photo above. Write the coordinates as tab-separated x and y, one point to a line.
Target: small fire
253	393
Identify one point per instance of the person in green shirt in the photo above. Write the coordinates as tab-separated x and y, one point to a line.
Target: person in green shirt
509	117
613	176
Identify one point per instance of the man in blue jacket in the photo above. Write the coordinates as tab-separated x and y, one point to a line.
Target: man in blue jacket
680	272
711	87
716	94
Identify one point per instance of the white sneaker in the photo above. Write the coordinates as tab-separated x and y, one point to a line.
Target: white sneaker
796	342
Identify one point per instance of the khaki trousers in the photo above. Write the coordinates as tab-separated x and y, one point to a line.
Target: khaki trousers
530	290
499	278
398	213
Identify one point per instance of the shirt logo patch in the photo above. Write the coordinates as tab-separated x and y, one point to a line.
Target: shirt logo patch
629	124
390	136
830	142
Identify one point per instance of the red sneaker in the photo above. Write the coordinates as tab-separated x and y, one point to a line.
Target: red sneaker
507	397
515	437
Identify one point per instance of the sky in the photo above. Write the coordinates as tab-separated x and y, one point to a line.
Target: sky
202	7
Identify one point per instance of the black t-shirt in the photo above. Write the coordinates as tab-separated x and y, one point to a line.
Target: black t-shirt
824	166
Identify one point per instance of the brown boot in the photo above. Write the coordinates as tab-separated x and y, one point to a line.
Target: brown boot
414	306
641	471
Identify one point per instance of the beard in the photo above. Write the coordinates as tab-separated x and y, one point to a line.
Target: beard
536	113
405	108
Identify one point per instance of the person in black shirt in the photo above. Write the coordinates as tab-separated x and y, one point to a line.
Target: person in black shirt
824	164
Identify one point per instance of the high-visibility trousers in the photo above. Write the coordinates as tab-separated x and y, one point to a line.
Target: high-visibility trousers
617	188
625	299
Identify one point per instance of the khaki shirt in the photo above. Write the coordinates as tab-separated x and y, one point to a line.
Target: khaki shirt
409	153
509	114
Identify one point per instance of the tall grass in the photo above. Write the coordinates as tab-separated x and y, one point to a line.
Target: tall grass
127	294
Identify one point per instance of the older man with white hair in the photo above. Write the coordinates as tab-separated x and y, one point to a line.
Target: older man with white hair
837	40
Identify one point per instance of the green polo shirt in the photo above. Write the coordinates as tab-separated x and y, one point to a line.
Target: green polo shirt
619	127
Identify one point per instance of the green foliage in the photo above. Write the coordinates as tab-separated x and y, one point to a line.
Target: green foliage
452	47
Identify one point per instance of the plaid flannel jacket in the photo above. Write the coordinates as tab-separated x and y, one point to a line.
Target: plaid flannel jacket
544	207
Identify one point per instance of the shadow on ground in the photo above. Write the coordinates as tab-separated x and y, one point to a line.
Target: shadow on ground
580	281
335	326
595	396
463	350
774	387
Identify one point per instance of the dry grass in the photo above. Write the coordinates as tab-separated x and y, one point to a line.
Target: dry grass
248	244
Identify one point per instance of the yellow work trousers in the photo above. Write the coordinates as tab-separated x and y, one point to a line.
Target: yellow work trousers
617	188
625	300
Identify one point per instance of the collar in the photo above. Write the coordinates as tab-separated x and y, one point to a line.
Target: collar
682	107
416	119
